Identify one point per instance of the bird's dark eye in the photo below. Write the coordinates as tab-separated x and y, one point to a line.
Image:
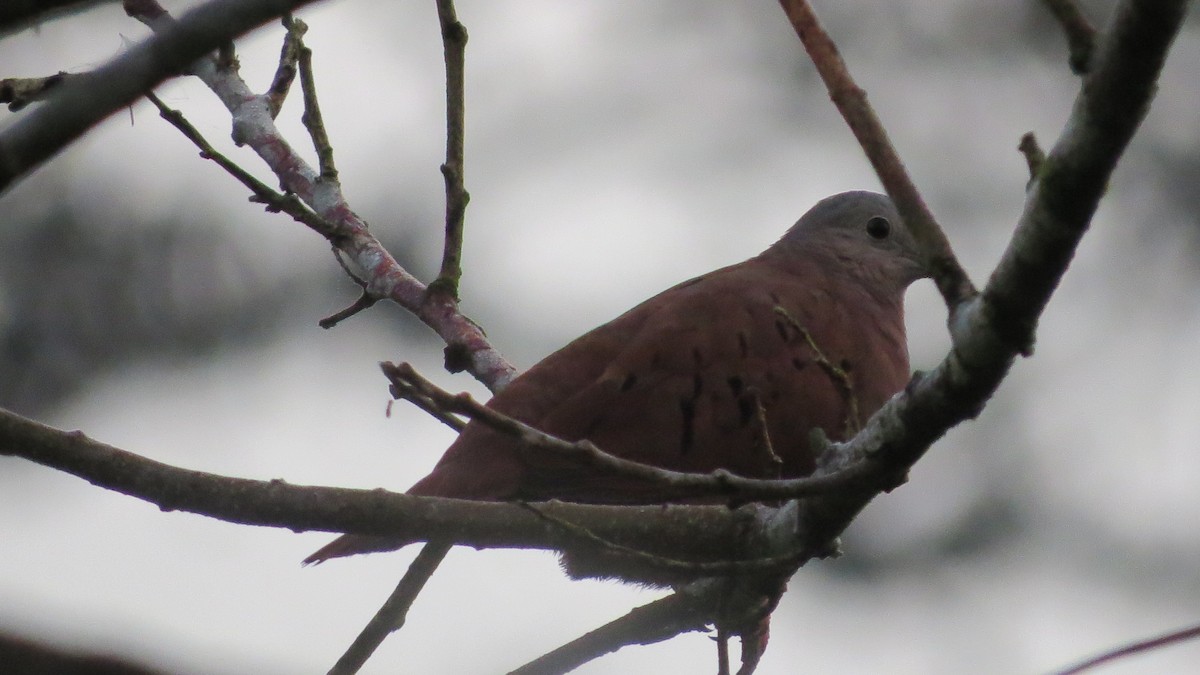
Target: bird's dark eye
879	227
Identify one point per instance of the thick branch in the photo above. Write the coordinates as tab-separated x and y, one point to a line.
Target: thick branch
85	100
997	325
680	535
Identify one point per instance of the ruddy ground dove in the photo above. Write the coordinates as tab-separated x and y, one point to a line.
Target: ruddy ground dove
810	333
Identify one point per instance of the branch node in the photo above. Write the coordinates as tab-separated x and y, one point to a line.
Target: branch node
364	301
1035	157
1081	35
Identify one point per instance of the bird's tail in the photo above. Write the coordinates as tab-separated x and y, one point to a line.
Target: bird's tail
353	544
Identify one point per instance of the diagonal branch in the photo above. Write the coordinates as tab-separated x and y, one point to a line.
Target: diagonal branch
407	383
254	125
851	101
1081	35
660	620
392	614
85	100
993	328
1156	642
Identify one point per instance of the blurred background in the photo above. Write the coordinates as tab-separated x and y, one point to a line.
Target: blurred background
613	149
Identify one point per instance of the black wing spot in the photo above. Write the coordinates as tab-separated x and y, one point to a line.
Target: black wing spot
697	357
743	344
687	438
846	365
736	386
628	382
746	408
592	426
781	327
697	385
799	363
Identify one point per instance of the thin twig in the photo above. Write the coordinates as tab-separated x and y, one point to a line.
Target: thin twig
263	194
676	484
392	614
289	56
1035	157
1081	35
385	278
700	532
951	279
1134	648
454	41
660	620
774	461
401	390
364	301
312	119
838	374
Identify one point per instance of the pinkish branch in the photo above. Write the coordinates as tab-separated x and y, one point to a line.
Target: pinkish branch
385	278
851	101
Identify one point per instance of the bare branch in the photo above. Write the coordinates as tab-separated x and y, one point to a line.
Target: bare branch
85	100
1138	647
851	101
364	301
263	194
660	620
700	534
289	57
675	484
993	328
454	40
392	614
312	119
385	279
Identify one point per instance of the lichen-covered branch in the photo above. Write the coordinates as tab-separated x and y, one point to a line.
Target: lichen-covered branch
997	325
678	536
84	100
384	278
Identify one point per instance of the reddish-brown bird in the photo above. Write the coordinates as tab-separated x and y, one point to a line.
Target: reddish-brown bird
810	333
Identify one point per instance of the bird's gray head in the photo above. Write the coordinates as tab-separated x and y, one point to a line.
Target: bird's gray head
858	230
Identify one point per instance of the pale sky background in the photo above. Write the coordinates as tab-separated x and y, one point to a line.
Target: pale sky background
614	149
